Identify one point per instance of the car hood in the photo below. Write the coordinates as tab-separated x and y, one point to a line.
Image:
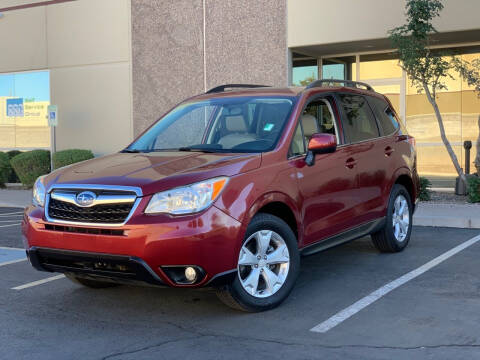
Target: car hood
154	172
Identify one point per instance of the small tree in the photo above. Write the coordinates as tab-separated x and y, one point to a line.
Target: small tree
427	68
477	158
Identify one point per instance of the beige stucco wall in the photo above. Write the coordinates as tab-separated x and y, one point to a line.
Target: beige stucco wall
313	22
243	45
167	56
86	46
246	42
23	44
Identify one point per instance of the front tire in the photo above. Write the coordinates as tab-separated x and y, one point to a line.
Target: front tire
268	266
395	235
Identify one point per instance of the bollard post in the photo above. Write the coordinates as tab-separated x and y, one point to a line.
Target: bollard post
467	145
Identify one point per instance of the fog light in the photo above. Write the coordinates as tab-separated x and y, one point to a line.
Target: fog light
190	274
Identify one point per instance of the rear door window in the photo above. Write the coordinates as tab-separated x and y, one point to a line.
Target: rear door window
359	122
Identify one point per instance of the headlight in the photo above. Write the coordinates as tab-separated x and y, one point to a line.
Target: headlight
39	192
187	199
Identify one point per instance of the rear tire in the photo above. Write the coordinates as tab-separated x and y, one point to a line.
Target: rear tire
94	284
395	235
268	266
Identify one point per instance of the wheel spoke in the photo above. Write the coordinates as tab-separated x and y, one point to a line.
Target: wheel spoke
263	241
403	205
251	281
397	206
397	230
278	256
403	226
271	279
247	257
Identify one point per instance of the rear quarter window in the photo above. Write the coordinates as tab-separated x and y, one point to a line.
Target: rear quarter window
385	116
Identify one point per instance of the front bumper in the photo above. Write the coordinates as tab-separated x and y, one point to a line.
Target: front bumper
125	269
139	250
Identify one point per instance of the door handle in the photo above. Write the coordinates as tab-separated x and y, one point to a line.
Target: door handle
388	151
350	163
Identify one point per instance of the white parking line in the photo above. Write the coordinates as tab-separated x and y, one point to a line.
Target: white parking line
2	226
14	213
361	304
5	221
38	282
12	261
10	248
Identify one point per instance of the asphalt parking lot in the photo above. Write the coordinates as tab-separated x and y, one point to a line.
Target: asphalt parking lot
435	315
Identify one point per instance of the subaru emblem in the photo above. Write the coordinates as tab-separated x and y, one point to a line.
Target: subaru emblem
85	198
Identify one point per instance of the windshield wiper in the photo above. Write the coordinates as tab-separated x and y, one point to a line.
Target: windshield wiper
130	151
195	149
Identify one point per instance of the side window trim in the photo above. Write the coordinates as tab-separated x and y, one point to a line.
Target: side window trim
372	111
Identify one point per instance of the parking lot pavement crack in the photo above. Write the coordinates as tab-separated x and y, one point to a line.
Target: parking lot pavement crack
346	346
285	343
419	347
149	347
202	334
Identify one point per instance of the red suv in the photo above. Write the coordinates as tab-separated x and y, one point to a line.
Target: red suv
228	189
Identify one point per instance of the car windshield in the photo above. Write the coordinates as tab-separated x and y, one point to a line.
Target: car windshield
228	124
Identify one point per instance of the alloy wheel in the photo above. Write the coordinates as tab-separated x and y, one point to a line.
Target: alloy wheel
401	218
263	263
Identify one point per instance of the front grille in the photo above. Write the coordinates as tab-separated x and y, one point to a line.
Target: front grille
105	213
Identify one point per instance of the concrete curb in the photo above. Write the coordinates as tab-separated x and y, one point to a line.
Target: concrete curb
445	221
465	216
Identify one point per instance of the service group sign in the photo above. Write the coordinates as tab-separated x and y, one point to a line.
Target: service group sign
15	107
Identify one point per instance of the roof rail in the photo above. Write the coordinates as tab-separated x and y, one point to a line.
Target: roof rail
346	83
222	88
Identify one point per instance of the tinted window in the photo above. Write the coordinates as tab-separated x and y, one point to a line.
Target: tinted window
385	116
359	123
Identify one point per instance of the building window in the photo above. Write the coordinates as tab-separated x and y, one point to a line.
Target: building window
304	70
339	68
24	98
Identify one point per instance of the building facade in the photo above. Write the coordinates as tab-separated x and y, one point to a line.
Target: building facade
115	66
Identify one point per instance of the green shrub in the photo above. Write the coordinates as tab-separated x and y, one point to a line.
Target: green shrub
30	165
473	189
13	178
67	157
425	193
5	169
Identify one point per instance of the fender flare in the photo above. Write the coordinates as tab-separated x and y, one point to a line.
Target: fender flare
271	197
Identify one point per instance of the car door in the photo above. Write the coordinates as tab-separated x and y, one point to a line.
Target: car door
369	152
328	187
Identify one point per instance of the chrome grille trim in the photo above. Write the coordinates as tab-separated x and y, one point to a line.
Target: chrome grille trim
70	197
81	187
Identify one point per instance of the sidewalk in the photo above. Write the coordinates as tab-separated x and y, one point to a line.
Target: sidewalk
465	216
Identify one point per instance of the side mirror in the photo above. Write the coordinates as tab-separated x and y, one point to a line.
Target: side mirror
320	144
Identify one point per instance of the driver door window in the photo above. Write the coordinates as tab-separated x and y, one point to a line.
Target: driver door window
316	118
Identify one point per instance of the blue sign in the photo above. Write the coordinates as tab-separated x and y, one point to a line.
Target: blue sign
15	107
